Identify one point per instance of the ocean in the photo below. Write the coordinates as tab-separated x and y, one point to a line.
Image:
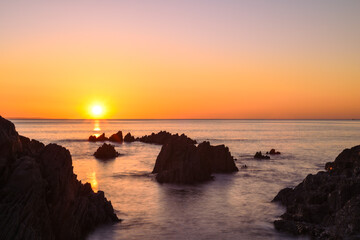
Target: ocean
232	206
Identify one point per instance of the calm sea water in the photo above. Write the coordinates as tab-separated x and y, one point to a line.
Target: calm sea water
234	206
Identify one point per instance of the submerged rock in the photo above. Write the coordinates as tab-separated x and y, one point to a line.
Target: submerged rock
106	151
100	138
325	205
117	137
128	138
259	155
41	197
163	137
273	152
184	163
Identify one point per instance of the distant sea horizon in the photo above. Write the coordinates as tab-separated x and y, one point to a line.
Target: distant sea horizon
144	119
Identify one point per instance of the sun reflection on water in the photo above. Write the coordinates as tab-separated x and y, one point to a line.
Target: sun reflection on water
97	126
91	178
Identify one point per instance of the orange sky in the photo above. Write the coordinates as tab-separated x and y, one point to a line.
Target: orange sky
219	60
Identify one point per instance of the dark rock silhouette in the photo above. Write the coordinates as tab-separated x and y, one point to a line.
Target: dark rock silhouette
325	205
128	138
100	138
259	155
184	163
163	137
41	197
244	166
273	152
106	151
117	137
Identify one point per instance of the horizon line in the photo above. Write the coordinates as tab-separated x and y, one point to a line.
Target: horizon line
134	119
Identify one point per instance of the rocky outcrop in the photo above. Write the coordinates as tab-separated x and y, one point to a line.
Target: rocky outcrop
273	152
184	163
106	151
117	137
101	138
128	138
41	197
259	155
325	205
163	137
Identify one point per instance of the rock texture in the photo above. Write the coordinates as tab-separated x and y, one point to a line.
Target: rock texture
40	196
259	155
128	138
163	137
117	137
100	138
106	151
184	163
273	152
325	205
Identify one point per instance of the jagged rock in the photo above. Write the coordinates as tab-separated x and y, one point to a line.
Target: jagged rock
100	138
31	147
128	138
184	163
259	155
106	151
163	137
273	152
40	196
325	205
117	137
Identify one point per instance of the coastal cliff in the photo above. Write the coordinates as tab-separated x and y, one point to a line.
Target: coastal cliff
40	196
325	205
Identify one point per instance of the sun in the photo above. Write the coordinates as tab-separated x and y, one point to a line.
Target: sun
97	111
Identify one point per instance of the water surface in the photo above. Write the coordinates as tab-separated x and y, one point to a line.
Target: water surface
233	206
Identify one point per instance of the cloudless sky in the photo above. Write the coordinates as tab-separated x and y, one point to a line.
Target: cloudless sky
180	59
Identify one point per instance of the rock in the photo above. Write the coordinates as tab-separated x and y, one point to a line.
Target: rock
163	137
259	155
41	197
100	138
31	147
218	157
106	151
244	166
184	163
273	152
128	138
117	137
325	205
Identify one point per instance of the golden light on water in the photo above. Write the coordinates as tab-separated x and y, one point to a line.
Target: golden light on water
97	126
92	180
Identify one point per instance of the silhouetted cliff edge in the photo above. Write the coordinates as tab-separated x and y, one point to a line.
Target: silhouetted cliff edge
325	205
40	196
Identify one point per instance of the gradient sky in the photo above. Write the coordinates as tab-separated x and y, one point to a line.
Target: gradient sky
180	59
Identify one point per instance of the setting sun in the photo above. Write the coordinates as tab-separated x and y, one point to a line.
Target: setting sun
97	111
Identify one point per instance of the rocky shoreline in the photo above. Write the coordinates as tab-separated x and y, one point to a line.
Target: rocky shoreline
325	205
40	196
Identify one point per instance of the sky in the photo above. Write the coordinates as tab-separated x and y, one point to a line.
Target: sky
256	59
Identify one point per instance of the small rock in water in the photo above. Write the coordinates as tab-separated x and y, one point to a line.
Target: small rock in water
106	151
117	137
129	138
259	155
273	152
164	137
101	138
